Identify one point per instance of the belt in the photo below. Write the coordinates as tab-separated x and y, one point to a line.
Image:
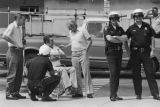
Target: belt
118	48
138	49
14	47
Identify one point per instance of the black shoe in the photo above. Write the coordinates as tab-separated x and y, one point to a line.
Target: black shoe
11	97
89	96
33	97
119	98
19	96
156	97
139	97
77	95
115	98
48	99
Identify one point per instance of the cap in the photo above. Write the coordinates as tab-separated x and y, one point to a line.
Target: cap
114	14
138	12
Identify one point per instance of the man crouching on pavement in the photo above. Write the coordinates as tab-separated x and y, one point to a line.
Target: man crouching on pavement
38	84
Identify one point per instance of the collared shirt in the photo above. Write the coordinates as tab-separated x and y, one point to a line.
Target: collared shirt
113	31
38	66
140	37
15	32
156	24
79	39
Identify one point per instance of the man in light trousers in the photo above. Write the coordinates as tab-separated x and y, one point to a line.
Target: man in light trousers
80	42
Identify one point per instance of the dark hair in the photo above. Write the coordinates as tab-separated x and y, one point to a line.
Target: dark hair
155	8
18	16
46	38
71	24
116	16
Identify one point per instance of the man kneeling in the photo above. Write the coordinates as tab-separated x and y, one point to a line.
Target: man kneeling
38	83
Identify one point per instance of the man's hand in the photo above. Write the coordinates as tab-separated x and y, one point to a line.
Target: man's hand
152	53
62	46
57	73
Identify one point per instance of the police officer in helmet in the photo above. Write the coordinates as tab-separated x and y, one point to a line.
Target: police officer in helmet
141	35
114	37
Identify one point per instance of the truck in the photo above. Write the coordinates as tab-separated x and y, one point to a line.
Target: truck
95	28
97	56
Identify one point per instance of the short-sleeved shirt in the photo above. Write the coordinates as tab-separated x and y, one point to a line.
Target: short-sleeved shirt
110	30
38	66
79	39
140	36
56	52
15	32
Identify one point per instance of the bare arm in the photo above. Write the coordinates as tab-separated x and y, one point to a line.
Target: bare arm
9	39
7	35
127	48
122	38
89	40
152	47
112	39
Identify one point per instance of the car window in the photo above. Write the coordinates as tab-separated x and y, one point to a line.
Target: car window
96	29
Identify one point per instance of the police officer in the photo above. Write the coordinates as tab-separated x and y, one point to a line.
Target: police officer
114	37
141	35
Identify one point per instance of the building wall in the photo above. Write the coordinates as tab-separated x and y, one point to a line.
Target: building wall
15	4
78	4
132	4
99	4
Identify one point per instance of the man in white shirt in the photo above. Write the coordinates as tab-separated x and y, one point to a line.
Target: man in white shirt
69	82
80	41
13	35
153	14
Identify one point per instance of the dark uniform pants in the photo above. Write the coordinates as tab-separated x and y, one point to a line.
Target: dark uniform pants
136	59
114	61
45	86
15	70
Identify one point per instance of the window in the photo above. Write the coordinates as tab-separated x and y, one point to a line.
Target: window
96	29
29	8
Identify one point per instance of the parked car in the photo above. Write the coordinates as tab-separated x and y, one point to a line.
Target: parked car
97	57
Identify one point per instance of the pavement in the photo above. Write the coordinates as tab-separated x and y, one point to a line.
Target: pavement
67	101
101	97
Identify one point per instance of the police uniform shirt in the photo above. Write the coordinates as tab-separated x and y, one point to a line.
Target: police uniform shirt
110	30
140	36
38	66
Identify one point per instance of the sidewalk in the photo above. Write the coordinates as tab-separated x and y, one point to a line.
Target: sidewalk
67	101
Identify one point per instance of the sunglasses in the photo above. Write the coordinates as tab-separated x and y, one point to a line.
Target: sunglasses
115	18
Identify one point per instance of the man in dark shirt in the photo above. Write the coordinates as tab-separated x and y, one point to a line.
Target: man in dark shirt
141	35
114	37
38	83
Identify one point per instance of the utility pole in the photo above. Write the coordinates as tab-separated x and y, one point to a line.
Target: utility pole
106	7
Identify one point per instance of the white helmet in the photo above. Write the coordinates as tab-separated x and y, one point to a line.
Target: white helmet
44	50
114	14
138	12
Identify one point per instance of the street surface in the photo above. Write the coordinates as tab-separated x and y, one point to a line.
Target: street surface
101	96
